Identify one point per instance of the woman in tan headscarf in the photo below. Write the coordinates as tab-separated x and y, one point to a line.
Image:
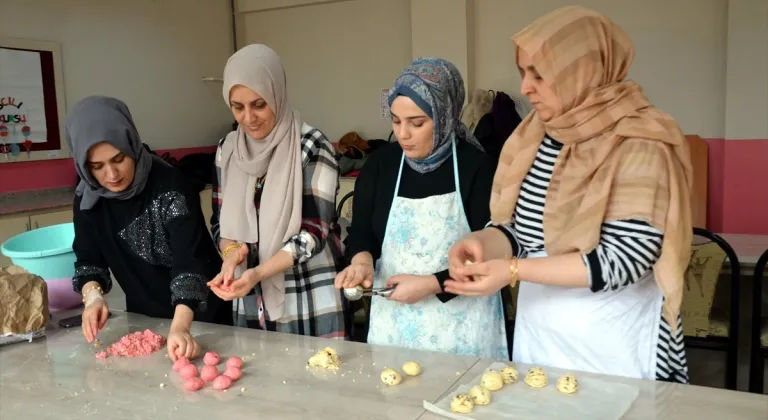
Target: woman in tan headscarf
274	200
590	204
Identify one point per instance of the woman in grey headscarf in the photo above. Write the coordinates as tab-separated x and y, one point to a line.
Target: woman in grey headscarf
413	200
135	215
274	213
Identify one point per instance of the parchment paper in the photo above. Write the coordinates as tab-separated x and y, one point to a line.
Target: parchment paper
595	399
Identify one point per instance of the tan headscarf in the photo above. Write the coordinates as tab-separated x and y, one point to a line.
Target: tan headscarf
243	160
622	158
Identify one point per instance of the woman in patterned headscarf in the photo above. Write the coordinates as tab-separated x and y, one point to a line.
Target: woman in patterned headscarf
591	202
412	200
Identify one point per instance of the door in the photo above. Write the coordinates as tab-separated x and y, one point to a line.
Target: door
10	227
49	219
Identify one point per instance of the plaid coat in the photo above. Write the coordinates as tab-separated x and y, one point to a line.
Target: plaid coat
312	305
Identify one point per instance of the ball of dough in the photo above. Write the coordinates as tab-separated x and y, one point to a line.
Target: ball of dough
509	375
536	378
462	404
391	377
469	262
411	368
492	380
188	371
235	362
194	384
211	358
180	363
480	395
209	373
568	384
233	373
222	382
326	358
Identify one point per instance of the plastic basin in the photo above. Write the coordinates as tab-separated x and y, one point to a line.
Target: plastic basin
47	252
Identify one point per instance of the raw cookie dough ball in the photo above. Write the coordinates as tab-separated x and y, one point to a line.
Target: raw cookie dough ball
391	377
411	368
222	382
492	380
462	403
235	362
568	384
180	363
188	371
233	373
510	375
209	373
469	262
480	395
326	358
211	358
536	378
194	384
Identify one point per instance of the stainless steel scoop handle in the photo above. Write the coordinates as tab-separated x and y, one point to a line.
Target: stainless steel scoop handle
357	293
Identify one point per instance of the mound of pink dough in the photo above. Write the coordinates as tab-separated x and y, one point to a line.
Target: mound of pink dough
233	373
209	373
194	384
222	382
235	362
211	358
101	355
188	371
137	344
180	363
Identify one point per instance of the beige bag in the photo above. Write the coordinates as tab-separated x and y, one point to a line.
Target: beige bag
23	305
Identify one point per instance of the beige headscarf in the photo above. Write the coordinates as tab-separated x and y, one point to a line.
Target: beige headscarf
243	160
599	176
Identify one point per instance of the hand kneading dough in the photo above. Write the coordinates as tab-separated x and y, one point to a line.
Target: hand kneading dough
510	375
411	368
568	384
391	377
480	395
492	380
536	378
326	358
462	403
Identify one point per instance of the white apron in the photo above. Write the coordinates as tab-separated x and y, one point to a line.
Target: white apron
612	332
418	236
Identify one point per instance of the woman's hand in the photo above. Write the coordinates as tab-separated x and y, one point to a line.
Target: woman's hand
467	249
95	318
181	344
489	277
227	274
354	274
411	289
240	287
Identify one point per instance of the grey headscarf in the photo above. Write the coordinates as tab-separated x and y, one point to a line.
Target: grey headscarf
98	119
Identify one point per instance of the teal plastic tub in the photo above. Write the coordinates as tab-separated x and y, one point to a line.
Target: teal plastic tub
47	252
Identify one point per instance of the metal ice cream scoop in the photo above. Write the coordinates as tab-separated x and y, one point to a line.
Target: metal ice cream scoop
357	293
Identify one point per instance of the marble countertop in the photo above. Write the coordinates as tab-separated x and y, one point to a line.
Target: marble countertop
59	378
38	200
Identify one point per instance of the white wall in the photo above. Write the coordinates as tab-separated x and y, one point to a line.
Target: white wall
149	53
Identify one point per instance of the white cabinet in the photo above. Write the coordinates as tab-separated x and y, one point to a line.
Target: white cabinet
39	220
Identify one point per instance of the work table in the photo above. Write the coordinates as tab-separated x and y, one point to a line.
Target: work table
59	377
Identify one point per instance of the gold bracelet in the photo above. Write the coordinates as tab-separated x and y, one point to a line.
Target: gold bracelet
97	288
229	248
513	271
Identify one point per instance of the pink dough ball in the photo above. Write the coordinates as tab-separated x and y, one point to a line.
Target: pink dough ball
194	384
222	383
209	373
233	373
211	358
235	362
188	371
180	363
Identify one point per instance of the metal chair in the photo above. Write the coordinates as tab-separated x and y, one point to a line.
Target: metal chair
357	326
718	335
758	350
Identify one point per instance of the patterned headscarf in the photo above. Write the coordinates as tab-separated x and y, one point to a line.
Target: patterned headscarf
436	86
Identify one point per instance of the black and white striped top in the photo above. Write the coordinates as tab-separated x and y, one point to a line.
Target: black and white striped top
627	251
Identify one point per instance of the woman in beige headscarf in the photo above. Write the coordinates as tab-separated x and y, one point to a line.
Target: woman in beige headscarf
274	207
590	204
